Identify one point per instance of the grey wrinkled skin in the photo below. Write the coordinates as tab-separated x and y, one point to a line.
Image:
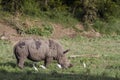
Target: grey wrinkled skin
38	49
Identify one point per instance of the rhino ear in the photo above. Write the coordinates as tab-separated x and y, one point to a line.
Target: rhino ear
64	52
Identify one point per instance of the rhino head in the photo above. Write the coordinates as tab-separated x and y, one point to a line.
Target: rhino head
63	60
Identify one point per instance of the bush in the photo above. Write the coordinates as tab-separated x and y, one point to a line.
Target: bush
110	27
30	7
45	30
12	6
64	18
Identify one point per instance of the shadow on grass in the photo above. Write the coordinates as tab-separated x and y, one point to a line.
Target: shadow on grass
8	64
53	75
14	64
5	75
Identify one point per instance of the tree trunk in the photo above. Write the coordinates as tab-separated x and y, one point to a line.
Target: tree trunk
46	3
74	9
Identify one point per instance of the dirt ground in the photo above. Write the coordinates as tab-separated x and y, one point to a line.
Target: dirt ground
11	34
58	32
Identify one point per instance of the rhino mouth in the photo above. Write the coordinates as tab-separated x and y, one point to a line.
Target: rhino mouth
71	65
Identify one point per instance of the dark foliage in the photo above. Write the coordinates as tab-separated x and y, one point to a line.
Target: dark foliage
86	11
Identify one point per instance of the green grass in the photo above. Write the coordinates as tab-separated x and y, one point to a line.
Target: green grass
104	67
110	27
63	18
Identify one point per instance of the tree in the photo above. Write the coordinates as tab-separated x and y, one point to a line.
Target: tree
12	5
89	10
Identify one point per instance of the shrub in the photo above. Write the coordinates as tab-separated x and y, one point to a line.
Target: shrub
45	30
30	7
110	27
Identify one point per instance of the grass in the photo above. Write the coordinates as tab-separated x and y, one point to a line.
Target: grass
63	18
104	67
110	27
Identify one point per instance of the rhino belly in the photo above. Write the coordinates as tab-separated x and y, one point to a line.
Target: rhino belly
37	54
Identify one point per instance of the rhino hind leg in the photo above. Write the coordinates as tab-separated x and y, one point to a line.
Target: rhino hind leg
20	62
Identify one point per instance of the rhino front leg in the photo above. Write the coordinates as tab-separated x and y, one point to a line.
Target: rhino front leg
47	61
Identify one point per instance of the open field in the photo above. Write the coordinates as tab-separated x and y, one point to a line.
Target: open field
99	59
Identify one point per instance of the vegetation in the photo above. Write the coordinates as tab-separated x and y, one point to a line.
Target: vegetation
102	14
45	30
101	56
98	59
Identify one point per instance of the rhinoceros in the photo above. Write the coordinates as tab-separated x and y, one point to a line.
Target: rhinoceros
39	49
